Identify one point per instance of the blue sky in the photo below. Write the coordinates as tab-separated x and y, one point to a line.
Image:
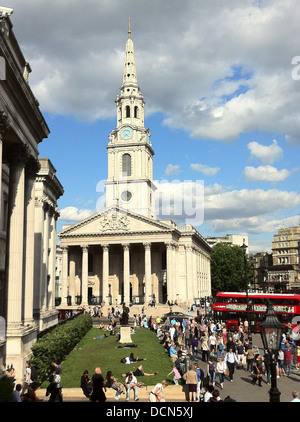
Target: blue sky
221	98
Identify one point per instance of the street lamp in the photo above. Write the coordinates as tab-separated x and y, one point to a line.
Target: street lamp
271	335
244	248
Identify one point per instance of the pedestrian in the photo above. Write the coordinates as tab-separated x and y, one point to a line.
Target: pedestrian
28	378
221	370
268	357
191	380
16	394
258	368
230	360
220	348
131	383
249	358
288	357
240	352
176	373
194	346
298	357
295	396
200	376
157	393
85	384
280	360
56	394
204	348
97	381
211	371
208	393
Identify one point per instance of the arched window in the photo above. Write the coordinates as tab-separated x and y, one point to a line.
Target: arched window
126	165
127	111
136	112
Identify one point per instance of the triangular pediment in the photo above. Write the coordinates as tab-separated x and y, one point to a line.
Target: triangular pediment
115	220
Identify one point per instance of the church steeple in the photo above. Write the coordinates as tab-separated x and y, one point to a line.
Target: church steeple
130	153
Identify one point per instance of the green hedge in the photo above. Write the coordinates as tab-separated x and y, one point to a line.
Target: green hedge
57	344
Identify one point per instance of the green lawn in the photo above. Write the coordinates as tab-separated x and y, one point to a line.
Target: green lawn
104	353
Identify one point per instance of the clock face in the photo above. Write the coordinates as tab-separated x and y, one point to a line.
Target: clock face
126	133
126	195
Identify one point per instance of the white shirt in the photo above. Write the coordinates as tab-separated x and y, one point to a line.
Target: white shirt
132	382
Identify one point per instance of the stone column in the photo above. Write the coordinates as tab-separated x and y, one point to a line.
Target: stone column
64	271
84	275
126	273
31	170
44	281
148	287
170	292
72	276
105	273
4	126
16	242
189	272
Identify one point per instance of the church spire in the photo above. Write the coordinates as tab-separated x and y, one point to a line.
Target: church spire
129	28
129	76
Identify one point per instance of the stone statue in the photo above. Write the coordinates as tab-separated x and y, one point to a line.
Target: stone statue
125	315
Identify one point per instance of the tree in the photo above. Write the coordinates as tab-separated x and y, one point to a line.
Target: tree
228	269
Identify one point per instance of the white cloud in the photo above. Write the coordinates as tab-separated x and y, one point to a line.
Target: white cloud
74	214
267	154
172	169
76	51
265	174
209	171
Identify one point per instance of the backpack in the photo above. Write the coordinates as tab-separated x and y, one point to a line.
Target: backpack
220	346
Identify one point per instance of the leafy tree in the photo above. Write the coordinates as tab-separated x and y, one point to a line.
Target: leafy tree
228	269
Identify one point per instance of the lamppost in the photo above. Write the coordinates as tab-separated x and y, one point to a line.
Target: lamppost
271	334
244	248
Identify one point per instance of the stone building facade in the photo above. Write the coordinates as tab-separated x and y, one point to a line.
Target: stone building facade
124	253
22	128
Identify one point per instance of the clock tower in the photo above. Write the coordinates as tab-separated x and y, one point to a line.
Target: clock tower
130	155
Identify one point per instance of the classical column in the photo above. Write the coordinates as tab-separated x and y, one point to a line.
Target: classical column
64	271
170	292
44	281
105	273
189	272
148	287
4	126
16	242
31	170
126	273
85	275
72	276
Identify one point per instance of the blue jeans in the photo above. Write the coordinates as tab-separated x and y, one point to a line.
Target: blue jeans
287	365
135	390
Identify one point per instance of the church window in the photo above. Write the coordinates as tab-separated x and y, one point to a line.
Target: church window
126	165
136	112
127	111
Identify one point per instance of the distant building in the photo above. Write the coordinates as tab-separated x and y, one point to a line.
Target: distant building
284	275
231	239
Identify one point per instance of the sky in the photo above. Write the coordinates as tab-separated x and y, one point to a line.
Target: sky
221	81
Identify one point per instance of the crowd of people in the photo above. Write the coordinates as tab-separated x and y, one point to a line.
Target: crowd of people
188	343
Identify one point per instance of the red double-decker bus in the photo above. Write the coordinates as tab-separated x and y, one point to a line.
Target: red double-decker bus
231	307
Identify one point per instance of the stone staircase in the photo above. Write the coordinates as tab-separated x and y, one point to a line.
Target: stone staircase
158	311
